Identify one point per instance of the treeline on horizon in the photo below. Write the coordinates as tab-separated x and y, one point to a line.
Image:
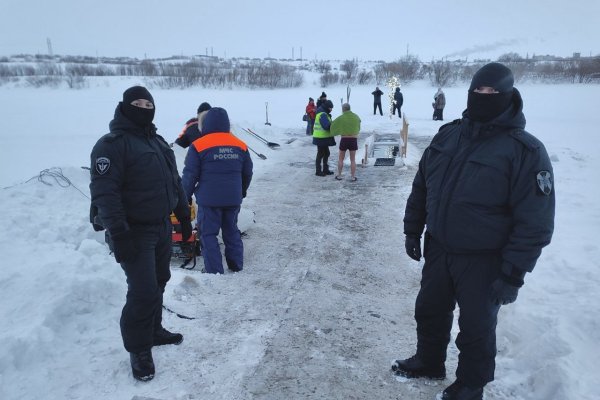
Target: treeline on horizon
213	72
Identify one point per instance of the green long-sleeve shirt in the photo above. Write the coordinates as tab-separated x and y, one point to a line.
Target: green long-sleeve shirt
347	124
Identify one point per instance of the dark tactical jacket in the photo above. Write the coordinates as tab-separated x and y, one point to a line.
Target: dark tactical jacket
485	188
134	178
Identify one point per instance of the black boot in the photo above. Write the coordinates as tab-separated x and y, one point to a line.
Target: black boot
142	365
319	172
459	391
232	265
163	336
326	170
413	367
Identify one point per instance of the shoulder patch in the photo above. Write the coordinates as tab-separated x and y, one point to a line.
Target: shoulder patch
526	139
102	165
544	181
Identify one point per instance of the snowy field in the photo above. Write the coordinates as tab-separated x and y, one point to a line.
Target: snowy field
326	299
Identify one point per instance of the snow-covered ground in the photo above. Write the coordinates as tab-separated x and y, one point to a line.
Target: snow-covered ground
326	299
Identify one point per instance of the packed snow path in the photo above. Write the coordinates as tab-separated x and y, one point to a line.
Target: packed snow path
326	300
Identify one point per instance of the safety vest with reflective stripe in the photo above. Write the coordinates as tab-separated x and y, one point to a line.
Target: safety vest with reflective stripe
318	130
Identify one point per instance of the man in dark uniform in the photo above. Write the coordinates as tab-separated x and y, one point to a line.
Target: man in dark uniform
377	93
135	186
398	101
218	171
484	189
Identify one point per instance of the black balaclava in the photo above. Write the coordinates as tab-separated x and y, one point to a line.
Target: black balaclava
142	117
485	107
328	106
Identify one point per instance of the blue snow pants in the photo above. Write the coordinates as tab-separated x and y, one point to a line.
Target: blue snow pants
147	277
466	279
210	221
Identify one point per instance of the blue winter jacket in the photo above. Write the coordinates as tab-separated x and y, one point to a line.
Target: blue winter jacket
218	170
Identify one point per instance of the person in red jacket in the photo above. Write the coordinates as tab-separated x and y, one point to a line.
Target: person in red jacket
311	110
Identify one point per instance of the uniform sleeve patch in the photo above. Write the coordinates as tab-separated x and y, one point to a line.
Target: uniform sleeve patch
544	181
102	165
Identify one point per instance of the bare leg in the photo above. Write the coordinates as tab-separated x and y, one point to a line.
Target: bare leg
353	163
341	157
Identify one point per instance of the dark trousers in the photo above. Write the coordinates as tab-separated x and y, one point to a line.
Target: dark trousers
322	156
466	279
397	107
212	220
147	277
438	114
375	107
310	126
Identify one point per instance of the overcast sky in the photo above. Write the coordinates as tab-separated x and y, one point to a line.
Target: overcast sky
333	29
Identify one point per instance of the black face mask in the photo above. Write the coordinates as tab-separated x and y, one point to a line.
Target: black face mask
485	107
142	117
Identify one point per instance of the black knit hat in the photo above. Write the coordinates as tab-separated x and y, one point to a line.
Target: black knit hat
323	95
136	92
204	107
216	120
495	75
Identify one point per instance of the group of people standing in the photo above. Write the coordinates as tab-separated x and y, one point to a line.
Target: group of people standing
439	102
135	186
323	130
398	100
482	200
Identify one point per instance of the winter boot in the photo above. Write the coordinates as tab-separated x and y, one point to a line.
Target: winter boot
413	367
232	265
319	172
142	365
326	170
459	391
163	336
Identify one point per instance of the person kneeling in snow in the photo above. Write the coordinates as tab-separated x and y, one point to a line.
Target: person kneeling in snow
218	171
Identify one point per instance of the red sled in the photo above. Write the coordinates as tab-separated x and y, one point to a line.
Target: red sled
184	251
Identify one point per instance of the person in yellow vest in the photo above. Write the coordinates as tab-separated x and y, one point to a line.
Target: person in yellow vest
323	138
348	126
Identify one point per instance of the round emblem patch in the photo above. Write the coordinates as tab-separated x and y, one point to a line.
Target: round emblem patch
102	165
544	181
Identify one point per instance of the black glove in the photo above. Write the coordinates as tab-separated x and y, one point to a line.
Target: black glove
413	247
124	247
186	230
503	293
506	288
